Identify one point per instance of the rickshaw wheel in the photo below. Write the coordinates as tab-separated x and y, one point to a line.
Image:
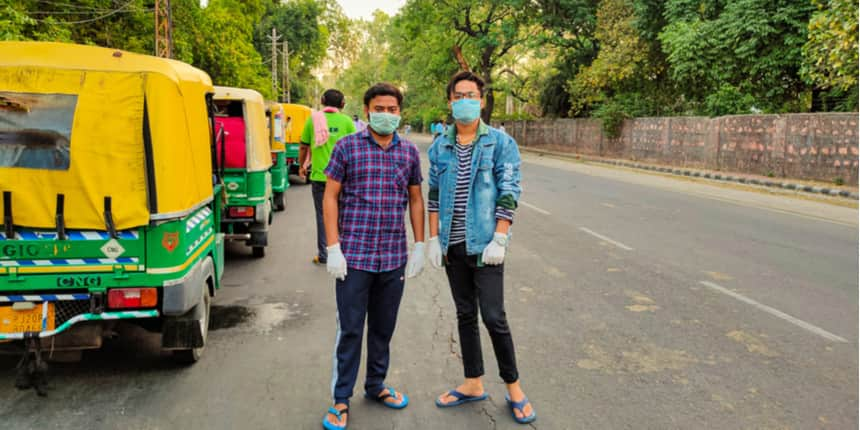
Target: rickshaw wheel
258	251
192	355
280	202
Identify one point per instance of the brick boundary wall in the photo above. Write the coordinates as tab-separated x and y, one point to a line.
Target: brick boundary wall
819	147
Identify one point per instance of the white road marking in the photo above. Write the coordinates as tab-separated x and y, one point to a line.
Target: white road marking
777	313
602	237
534	207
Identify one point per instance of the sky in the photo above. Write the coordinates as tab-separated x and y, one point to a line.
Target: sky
364	8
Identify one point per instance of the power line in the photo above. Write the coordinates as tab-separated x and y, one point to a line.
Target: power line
84	21
51	13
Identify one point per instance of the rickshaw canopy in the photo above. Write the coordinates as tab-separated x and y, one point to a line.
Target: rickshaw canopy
295	117
93	124
276	123
259	156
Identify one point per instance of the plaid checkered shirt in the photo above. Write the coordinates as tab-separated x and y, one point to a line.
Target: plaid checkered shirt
373	199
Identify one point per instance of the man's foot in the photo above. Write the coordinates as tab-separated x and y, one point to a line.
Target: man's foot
334	419
471	388
392	398
516	395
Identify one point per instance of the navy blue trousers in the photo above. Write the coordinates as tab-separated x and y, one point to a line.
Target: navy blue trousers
376	296
318	191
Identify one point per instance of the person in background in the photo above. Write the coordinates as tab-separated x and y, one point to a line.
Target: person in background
372	177
474	186
502	128
321	132
359	124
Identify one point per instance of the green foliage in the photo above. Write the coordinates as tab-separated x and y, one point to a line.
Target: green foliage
611	59
752	45
218	38
614	111
728	100
299	23
830	55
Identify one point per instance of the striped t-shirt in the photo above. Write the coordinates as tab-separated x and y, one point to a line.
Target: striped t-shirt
461	194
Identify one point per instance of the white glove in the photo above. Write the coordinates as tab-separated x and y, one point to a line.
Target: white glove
335	262
434	252
416	261
494	253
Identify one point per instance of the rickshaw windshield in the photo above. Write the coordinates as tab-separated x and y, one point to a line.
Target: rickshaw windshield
36	129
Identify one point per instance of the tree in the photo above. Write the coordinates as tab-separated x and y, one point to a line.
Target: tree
830	55
480	34
298	23
752	45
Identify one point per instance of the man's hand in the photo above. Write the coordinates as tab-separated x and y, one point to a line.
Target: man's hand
416	261
434	252
494	253
335	262
303	171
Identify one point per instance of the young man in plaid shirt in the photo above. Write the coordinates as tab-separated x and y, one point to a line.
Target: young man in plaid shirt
372	176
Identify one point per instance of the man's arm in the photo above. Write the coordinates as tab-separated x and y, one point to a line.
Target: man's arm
330	211
507	175
304	154
305	142
433	191
416	212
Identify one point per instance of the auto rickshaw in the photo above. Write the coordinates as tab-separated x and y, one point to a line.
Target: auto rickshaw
295	118
244	156
109	200
275	117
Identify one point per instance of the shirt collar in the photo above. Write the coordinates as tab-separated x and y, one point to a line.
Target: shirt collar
452	132
365	134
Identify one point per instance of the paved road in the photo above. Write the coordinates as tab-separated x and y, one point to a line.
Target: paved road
636	301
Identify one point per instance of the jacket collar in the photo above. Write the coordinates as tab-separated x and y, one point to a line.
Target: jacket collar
452	132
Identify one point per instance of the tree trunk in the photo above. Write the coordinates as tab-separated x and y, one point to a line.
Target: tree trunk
487	113
487	72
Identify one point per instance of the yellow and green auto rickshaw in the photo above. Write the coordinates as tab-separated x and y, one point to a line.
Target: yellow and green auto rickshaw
275	117
295	118
243	154
109	198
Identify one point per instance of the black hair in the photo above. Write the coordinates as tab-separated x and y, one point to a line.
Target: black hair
382	89
465	75
333	98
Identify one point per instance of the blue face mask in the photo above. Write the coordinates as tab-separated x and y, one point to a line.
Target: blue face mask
384	123
466	111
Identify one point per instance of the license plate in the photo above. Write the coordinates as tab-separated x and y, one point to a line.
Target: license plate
19	321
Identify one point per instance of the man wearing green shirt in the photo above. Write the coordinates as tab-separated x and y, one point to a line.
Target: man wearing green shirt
315	146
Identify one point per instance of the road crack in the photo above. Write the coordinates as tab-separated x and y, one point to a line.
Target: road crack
490	416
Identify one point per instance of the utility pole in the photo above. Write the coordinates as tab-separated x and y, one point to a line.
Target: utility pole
274	38
286	71
163	29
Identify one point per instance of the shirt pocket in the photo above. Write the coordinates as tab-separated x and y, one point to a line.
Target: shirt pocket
484	175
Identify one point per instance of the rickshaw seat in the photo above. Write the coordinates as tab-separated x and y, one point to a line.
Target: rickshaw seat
234	139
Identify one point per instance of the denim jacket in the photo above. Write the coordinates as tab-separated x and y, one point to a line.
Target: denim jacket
495	182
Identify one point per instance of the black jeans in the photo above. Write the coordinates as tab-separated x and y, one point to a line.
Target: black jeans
474	286
318	190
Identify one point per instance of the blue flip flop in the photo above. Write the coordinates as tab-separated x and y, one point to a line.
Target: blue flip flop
520	405
329	426
381	399
461	398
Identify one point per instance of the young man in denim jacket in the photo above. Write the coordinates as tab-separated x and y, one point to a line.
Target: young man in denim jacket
474	186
